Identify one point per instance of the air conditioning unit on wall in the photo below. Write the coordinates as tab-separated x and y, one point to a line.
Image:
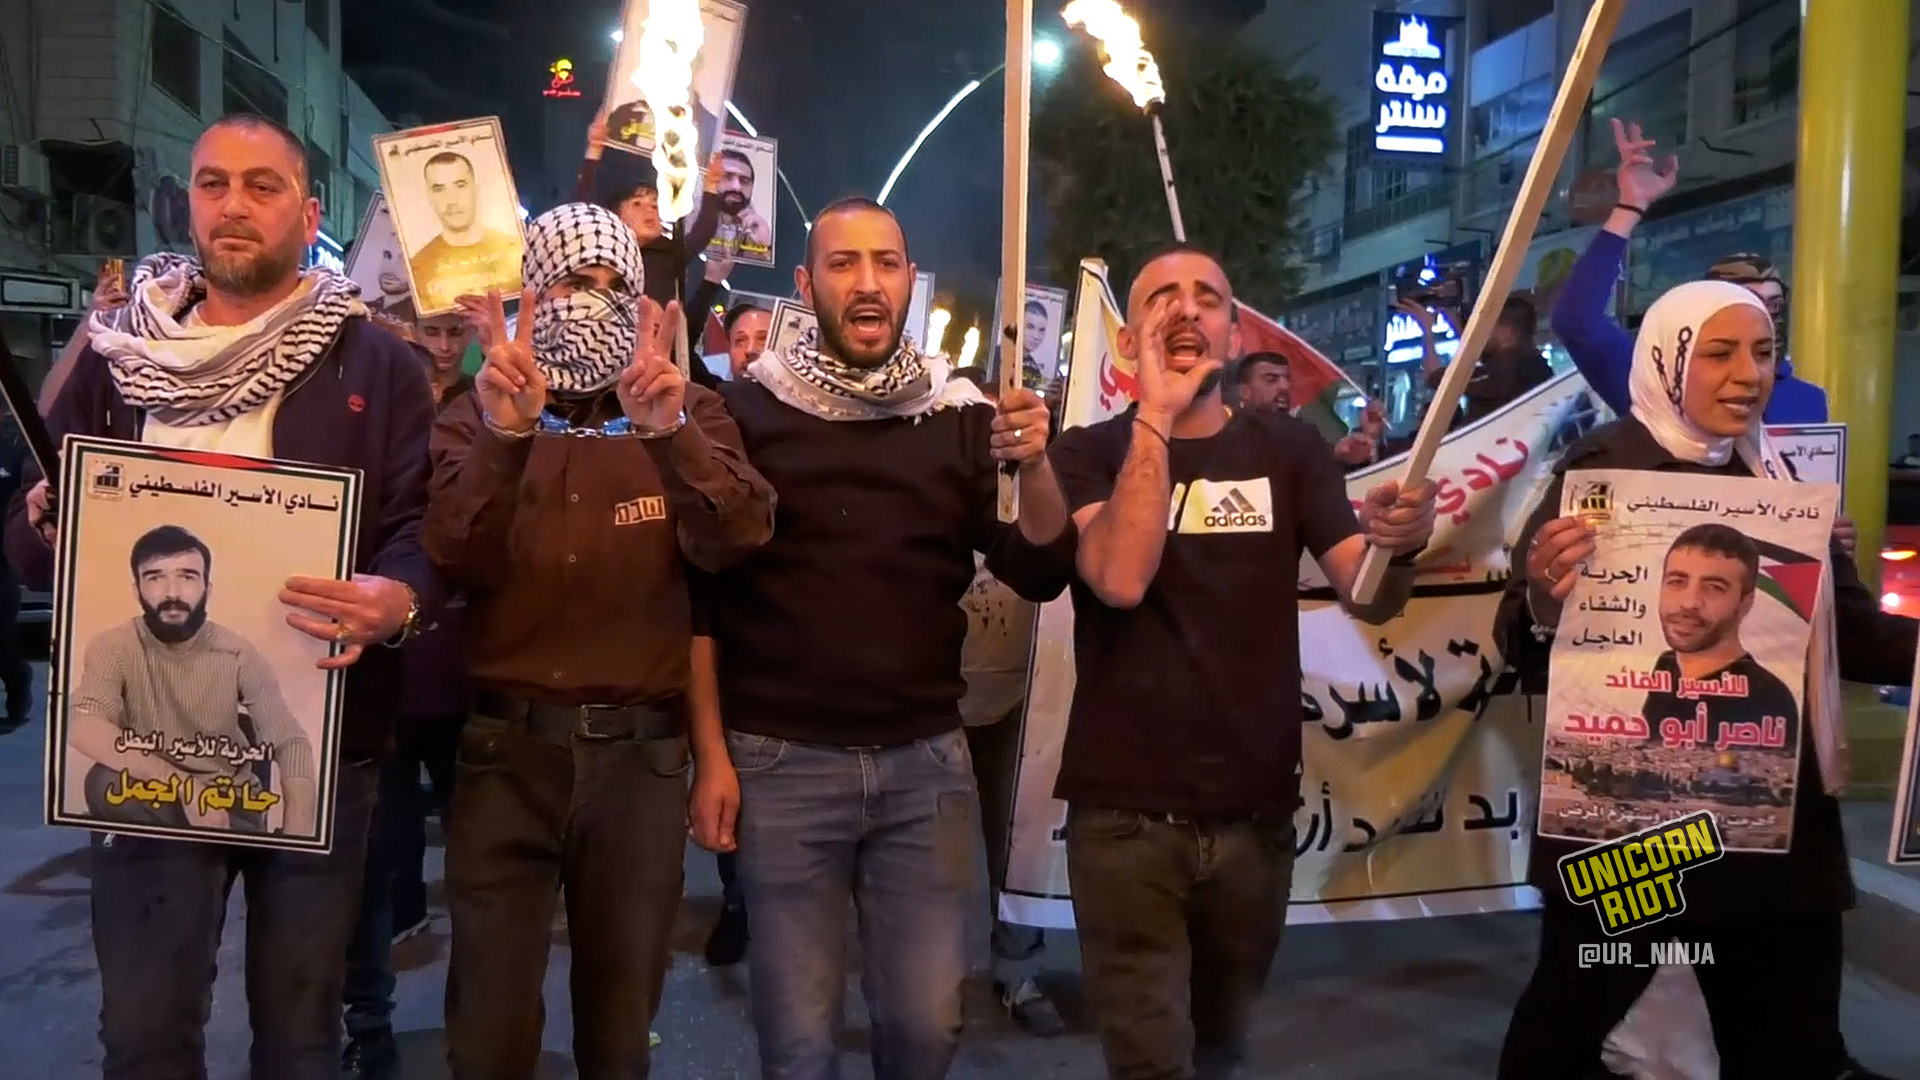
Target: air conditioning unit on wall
23	168
101	226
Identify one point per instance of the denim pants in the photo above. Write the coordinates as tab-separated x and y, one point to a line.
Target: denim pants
396	849
893	829
1179	922
158	910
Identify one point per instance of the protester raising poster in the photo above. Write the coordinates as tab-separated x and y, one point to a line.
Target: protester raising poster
1044	316
629	123
183	704
1679	670
1419	776
377	264
748	183
454	209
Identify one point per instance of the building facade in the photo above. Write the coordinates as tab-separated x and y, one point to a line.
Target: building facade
1714	80
100	102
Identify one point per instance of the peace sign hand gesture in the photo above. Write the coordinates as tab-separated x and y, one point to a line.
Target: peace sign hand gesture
653	392
511	390
1165	394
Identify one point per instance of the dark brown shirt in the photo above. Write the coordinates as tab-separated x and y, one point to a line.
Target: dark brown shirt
574	550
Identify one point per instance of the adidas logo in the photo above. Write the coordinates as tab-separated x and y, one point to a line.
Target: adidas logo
1235	511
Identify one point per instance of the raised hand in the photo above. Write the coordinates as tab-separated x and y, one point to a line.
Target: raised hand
1164	393
653	392
511	390
1641	182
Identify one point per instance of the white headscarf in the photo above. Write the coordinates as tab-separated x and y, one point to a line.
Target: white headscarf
1657	386
1657	383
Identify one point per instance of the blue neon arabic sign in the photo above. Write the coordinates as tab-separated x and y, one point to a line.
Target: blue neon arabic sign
1413	93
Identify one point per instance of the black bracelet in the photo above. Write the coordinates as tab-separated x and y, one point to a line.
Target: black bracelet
1631	209
1408	559
1156	432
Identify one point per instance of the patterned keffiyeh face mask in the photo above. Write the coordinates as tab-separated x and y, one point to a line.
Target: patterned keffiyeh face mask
583	340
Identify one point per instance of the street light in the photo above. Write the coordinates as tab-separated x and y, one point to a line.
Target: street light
1046	55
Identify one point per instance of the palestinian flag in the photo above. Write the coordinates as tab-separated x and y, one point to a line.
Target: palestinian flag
1789	576
713	340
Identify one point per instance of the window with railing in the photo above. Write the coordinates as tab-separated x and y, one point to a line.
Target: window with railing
320	20
1377	196
1644	80
1766	59
173	57
1508	16
248	87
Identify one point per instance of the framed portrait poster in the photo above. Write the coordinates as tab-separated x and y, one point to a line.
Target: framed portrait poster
455	213
182	704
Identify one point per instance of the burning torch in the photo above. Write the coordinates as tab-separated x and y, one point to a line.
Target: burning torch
669	42
1130	64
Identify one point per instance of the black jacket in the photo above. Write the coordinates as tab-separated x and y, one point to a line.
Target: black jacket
1874	647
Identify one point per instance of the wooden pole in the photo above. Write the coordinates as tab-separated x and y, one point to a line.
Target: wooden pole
1013	216
1544	171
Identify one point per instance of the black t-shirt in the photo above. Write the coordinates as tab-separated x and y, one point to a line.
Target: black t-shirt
1761	698
1190	702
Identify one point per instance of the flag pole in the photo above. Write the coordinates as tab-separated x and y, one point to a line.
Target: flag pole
1542	173
1013	216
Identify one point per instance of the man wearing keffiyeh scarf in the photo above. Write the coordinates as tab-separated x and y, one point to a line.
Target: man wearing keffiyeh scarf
574	490
839	645
238	351
1704	369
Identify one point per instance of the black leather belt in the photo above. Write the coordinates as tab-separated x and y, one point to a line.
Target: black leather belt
660	720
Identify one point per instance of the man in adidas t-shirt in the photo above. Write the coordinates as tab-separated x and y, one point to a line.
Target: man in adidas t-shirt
1184	739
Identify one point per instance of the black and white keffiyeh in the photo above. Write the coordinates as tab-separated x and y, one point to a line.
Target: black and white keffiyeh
189	376
582	341
910	384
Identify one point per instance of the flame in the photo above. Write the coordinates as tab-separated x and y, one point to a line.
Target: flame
937	321
1128	61
668	44
969	345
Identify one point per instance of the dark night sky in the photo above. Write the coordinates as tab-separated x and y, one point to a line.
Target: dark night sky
844	85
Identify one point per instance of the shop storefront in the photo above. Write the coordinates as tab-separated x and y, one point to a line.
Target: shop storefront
1669	251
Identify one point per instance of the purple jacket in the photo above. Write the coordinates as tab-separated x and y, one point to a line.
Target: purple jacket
365	404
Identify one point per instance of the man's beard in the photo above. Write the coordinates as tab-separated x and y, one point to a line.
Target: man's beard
1706	635
173	633
834	345
250	275
733	202
1208	384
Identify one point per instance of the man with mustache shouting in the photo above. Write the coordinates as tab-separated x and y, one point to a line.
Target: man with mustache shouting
239	351
1182	755
839	647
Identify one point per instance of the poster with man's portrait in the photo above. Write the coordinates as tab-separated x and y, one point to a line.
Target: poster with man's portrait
1678	677
630	123
1044	318
791	320
183	705
454	209
378	264
748	185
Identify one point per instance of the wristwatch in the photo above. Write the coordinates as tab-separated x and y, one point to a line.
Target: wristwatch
410	628
665	432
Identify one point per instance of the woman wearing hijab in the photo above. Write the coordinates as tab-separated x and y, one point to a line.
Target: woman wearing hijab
1703	371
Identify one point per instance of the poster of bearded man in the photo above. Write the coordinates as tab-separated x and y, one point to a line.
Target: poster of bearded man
748	184
183	704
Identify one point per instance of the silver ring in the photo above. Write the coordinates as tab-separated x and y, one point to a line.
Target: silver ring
1019	433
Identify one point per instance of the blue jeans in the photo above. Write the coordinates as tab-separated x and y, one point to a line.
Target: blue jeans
893	829
158	910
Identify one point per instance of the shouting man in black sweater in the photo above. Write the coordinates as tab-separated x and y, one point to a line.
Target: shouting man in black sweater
839	655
